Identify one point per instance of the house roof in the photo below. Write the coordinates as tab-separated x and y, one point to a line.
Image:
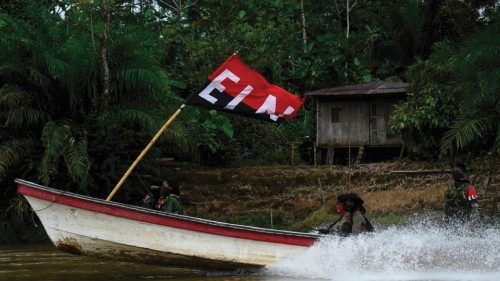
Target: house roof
375	88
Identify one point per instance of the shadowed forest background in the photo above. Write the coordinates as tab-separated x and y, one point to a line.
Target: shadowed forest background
84	85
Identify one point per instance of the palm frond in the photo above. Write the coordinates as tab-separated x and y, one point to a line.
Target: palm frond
438	67
143	79
10	67
16	108
11	96
47	169
20	206
58	69
464	131
12	153
78	159
475	100
482	52
55	138
412	15
478	72
37	78
413	71
489	80
25	116
150	119
484	47
178	137
139	116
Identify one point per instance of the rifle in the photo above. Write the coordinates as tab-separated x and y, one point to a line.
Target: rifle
327	230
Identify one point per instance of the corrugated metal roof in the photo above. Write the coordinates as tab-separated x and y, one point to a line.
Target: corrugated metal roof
375	88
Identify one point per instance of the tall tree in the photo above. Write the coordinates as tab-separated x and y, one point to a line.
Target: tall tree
50	78
106	19
478	71
454	100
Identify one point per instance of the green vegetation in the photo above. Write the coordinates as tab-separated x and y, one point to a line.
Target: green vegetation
455	102
18	224
85	84
322	216
390	220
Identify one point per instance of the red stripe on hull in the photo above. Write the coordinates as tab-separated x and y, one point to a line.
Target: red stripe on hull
117	211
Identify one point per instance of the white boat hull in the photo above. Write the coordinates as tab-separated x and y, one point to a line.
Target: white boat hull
117	231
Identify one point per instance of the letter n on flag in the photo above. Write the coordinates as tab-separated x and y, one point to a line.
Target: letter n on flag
236	88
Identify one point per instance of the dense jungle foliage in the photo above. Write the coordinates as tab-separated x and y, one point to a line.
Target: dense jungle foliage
85	84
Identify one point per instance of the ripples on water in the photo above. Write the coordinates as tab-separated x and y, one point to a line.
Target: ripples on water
46	263
421	252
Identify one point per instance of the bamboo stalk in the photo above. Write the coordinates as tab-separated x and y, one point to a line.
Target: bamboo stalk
144	151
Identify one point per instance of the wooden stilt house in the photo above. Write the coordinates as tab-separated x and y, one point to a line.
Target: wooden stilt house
356	116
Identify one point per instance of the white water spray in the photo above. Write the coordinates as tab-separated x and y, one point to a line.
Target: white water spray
420	252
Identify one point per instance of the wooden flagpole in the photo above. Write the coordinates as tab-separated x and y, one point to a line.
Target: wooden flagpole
150	144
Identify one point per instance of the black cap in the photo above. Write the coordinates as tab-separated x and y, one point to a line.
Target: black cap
174	187
460	165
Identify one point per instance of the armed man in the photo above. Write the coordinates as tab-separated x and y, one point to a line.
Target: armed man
352	217
461	198
172	202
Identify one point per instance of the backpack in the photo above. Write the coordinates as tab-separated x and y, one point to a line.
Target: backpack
368	225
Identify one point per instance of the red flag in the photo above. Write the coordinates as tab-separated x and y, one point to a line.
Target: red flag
471	193
236	88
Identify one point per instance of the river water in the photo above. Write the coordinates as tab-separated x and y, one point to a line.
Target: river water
420	252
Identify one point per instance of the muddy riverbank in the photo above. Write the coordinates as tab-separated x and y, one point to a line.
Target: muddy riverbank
299	197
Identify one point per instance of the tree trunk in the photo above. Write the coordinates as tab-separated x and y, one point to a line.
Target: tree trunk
304	34
346	34
347	10
105	99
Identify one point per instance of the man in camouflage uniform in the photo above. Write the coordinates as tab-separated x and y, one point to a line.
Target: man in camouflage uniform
461	198
172	202
352	217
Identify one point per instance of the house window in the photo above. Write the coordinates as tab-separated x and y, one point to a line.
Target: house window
336	115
